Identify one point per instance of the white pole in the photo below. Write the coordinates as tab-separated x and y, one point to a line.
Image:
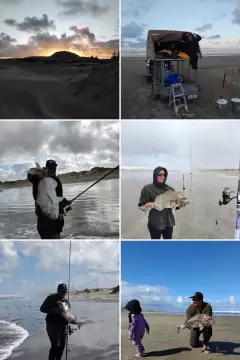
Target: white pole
69	279
237	227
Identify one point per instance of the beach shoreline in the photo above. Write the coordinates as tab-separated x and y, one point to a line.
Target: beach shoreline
165	342
64	180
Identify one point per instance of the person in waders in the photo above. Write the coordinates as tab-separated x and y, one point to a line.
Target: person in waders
160	223
56	324
199	306
49	201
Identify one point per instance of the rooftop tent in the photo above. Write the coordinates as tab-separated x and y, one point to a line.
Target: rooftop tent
164	36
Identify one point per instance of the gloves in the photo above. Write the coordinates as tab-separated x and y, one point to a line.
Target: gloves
66	202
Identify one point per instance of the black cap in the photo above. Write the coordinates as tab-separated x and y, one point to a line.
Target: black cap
197	296
51	163
62	288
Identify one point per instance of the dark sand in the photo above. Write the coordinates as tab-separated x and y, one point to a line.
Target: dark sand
58	91
164	342
137	102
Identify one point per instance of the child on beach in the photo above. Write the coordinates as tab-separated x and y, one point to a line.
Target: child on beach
137	326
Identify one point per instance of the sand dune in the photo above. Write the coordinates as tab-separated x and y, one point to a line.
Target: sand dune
38	90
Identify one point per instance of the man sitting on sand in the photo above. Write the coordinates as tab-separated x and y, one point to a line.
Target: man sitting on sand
160	223
199	307
49	201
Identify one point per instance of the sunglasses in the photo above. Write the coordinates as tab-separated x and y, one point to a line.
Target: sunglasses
162	174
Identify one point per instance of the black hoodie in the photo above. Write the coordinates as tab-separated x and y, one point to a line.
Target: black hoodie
158	219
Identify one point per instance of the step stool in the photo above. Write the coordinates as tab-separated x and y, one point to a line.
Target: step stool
177	98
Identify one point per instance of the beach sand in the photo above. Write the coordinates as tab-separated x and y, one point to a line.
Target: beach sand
196	221
164	342
58	91
137	102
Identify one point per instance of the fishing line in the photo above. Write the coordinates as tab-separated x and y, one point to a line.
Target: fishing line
89	187
69	279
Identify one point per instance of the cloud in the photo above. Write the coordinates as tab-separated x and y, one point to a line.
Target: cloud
75	7
10	2
203	28
132	30
9	258
75	145
213	37
174	151
32	24
236	13
6	41
79	40
232	300
137	8
93	263
156	297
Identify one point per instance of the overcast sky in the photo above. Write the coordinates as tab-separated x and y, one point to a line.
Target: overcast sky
216	21
34	267
74	145
215	144
31	27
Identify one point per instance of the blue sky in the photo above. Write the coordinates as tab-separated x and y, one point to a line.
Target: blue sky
33	267
217	21
163	275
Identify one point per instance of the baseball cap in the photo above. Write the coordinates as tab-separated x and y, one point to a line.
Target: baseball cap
62	288
51	163
197	296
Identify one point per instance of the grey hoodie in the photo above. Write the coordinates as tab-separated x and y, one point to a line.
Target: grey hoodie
157	219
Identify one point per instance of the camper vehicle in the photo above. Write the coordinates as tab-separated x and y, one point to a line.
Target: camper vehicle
167	60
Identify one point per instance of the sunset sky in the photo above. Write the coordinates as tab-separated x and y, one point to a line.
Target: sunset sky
85	27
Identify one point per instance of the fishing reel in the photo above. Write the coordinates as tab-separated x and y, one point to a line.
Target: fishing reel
67	209
226	196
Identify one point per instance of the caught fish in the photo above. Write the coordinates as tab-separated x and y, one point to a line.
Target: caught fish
68	315
199	321
37	173
170	199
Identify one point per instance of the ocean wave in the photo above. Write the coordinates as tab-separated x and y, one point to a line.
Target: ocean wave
11	336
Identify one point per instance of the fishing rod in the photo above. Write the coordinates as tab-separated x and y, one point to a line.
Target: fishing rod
227	198
69	280
89	187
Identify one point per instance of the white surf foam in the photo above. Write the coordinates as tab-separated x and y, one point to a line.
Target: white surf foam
11	336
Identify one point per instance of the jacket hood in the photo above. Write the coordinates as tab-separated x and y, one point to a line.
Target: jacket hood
155	176
133	306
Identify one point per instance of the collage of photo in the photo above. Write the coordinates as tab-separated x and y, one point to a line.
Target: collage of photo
119	179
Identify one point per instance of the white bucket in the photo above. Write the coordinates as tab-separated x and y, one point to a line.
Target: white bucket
222	107
235	106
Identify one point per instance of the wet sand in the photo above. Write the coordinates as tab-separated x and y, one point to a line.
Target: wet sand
58	91
164	342
137	102
196	221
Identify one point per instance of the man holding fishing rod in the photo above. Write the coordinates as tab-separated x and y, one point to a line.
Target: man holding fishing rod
49	201
57	326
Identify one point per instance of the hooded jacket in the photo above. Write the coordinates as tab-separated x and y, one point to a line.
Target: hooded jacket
158	219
